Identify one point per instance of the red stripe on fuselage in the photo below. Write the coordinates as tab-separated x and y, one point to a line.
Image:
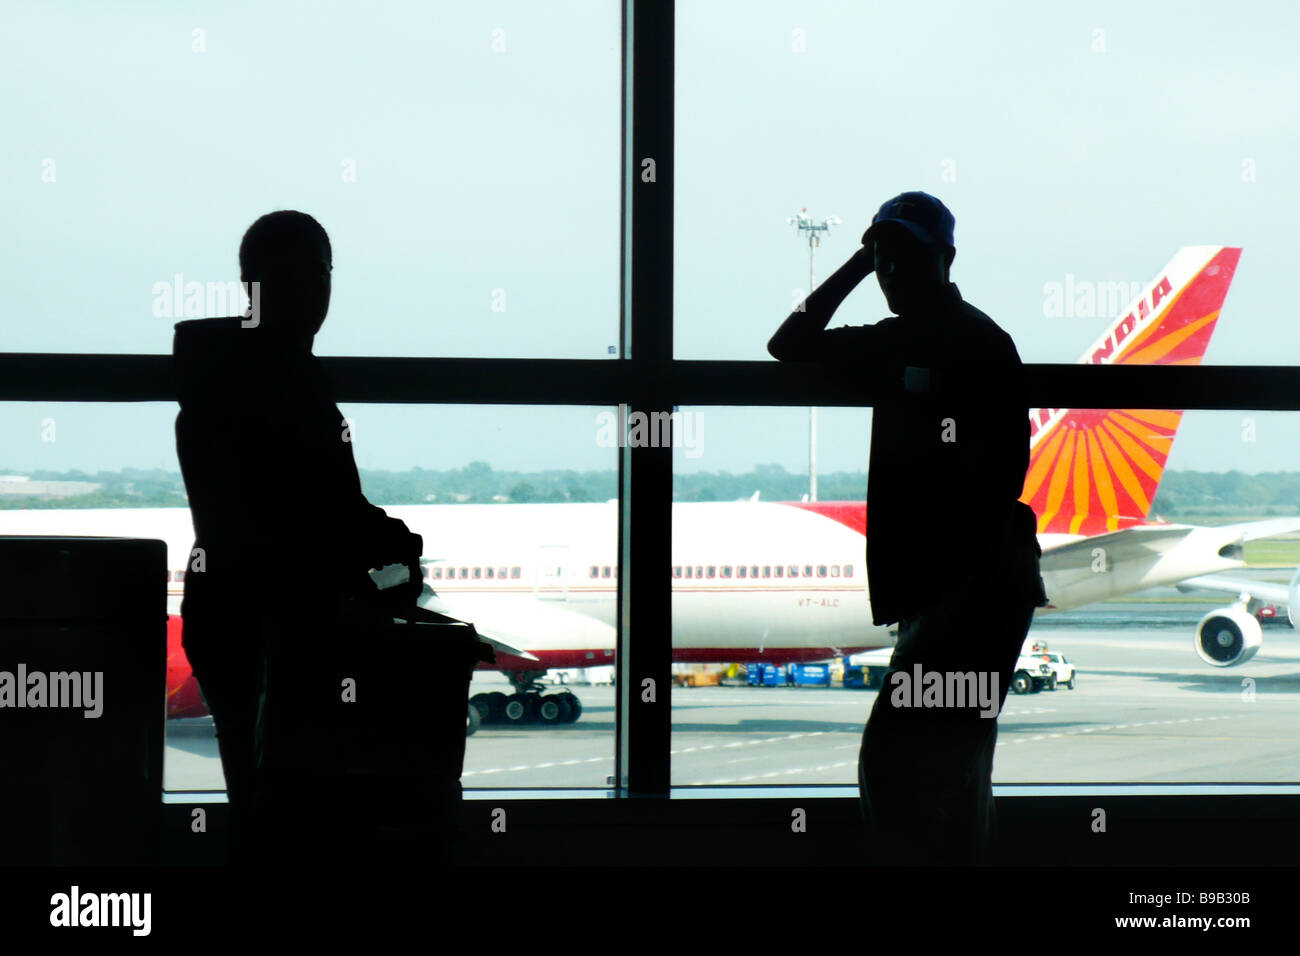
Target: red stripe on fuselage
681	655
851	514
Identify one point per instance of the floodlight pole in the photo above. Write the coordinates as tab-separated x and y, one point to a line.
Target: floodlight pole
804	223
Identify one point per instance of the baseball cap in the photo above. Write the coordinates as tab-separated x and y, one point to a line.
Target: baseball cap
921	214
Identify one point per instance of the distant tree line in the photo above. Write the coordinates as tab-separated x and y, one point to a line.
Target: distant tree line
1182	494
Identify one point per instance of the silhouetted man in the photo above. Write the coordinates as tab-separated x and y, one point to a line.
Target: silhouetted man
952	555
283	535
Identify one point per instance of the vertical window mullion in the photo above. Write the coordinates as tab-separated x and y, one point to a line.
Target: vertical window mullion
644	613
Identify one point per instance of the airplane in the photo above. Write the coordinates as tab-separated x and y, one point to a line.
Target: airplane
786	581
1093	475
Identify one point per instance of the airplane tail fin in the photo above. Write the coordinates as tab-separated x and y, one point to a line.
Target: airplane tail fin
1097	470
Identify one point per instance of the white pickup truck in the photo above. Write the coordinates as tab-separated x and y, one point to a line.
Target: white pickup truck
1040	668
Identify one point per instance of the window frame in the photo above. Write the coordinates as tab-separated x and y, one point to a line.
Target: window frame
646	377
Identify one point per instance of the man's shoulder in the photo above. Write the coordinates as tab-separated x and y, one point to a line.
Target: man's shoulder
987	333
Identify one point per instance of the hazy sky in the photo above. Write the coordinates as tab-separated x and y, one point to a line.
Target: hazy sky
464	159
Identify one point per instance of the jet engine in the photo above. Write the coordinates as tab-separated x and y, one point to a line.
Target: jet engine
1228	636
1293	600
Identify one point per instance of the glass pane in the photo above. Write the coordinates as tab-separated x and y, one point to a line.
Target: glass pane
1078	156
764	578
462	158
515	506
1163	657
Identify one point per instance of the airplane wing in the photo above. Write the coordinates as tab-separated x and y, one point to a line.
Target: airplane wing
1128	544
394	574
1145	545
512	627
500	639
1147	541
1268	528
1269	591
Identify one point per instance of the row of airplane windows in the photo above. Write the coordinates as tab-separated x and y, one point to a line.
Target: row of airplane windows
611	571
761	571
679	571
437	575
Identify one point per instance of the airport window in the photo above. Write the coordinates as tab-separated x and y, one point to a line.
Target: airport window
726	571
740	571
478	572
767	570
753	571
501	572
595	571
581	96
835	570
191	759
604	572
698	161
677	570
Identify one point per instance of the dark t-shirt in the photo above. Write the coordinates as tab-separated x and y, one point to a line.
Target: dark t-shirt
949	451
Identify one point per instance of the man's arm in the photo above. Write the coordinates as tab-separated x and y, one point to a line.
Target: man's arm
801	337
387	540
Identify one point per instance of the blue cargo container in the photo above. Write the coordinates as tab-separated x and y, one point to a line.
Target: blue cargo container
762	675
815	675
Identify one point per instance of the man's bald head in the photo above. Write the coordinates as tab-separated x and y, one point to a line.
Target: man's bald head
288	253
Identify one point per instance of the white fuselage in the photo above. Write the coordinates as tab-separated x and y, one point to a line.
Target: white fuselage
748	577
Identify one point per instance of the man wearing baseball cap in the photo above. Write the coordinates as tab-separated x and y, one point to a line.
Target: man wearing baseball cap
952	554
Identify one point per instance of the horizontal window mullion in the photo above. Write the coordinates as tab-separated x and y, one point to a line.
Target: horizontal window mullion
30	377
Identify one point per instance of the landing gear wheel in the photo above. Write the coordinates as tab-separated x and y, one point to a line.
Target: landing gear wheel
575	708
472	720
491	707
516	710
565	701
550	710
